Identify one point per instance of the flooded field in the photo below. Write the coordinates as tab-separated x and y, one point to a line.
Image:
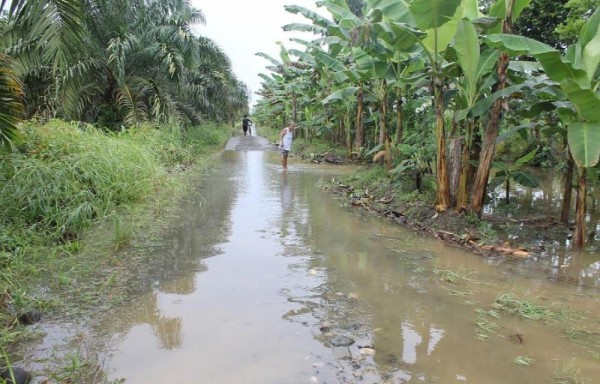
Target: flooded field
270	280
552	240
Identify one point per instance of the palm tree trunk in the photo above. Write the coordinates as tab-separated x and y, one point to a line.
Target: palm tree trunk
360	128
579	237
568	189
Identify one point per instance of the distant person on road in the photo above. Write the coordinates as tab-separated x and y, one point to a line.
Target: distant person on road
246	123
285	143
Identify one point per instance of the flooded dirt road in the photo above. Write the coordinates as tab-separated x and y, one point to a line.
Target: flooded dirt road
270	280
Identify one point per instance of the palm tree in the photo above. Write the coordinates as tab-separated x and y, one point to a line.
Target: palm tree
118	63
36	32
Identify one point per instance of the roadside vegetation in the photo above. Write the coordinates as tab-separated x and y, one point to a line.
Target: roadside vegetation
103	105
66	178
459	96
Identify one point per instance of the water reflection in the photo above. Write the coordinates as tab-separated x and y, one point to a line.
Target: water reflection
411	341
287	203
167	330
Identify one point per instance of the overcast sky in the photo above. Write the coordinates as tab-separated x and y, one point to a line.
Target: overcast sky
242	28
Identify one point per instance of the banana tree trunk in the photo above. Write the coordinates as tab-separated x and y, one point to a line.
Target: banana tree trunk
568	189
475	145
455	166
384	131
359	139
454	161
462	194
491	132
348	132
443	190
579	236
399	117
294	108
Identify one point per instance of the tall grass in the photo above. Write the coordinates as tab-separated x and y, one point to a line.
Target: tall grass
65	177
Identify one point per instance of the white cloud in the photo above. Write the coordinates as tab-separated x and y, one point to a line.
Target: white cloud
243	28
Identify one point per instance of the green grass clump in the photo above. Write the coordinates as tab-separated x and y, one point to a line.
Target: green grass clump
66	177
523	361
570	374
524	308
369	177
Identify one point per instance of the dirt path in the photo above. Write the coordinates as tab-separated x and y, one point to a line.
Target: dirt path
249	143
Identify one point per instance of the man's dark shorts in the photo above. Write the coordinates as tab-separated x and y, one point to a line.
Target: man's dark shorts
285	152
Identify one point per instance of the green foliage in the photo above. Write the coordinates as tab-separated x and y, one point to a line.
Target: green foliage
506	172
82	367
578	12
122	233
546	157
356	6
540	19
64	177
524	308
368	177
113	63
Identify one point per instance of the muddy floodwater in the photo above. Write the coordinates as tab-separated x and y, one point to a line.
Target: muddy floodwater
270	280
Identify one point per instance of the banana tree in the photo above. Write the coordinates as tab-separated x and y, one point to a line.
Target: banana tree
438	19
507	172
506	10
431	23
471	86
576	73
354	37
290	71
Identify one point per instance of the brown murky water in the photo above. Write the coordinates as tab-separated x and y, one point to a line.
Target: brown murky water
269	270
553	248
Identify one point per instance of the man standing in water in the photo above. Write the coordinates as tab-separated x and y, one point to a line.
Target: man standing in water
285	143
246	123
